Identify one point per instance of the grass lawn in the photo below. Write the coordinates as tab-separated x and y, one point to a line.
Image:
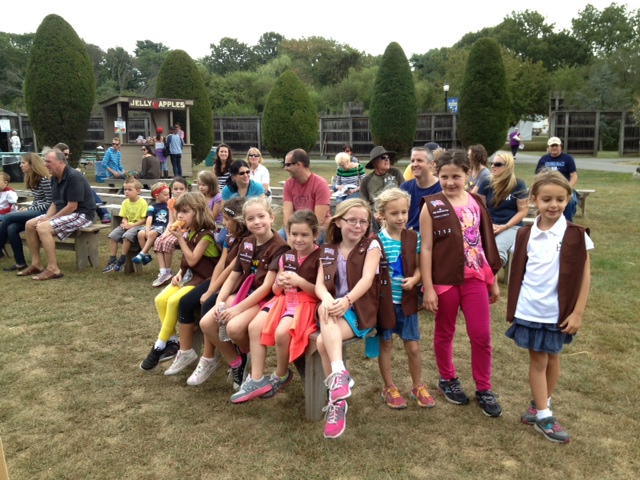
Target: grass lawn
75	405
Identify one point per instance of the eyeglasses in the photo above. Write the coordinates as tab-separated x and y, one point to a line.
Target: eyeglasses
115	144
354	221
244	172
384	157
497	164
287	165
253	155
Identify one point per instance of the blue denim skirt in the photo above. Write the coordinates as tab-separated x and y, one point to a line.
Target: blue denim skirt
539	337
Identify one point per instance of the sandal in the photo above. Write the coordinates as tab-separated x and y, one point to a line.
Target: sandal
30	270
48	275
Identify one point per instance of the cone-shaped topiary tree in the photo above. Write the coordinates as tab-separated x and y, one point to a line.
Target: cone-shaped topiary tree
179	77
59	86
484	99
393	114
290	117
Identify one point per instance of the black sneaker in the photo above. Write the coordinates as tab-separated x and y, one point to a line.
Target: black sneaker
152	359
452	391
487	401
170	351
238	372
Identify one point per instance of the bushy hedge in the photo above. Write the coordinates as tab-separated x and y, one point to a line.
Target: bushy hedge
59	86
179	77
290	117
393	114
484	99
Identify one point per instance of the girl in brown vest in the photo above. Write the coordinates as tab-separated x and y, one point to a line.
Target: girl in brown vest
458	263
248	286
199	257
288	319
548	291
345	285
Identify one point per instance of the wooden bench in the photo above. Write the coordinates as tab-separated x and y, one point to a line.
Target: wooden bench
582	200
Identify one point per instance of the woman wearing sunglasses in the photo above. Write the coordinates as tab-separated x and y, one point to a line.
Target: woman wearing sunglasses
507	199
259	172
240	183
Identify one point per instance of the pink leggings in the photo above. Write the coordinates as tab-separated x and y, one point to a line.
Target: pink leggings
473	297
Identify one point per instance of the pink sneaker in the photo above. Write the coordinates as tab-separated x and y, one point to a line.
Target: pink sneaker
422	396
336	419
339	384
393	398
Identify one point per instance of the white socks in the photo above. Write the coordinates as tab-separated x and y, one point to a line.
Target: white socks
337	366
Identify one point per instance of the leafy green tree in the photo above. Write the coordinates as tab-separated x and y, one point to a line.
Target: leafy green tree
484	98
290	117
393	114
14	51
230	55
119	68
179	77
59	86
149	57
268	47
609	29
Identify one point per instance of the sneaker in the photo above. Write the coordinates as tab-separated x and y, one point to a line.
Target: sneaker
339	384
530	416
138	258
106	218
118	267
393	398
552	431
238	372
162	279
422	397
146	258
487	401
152	359
336	419
452	391
251	389
170	351
203	371
109	268
183	360
277	383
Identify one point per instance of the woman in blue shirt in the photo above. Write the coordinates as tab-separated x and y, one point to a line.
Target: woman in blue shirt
240	183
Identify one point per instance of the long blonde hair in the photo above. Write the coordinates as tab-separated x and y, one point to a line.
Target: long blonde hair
37	172
504	182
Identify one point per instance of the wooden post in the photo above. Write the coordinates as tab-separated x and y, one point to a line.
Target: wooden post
4	474
621	140
596	135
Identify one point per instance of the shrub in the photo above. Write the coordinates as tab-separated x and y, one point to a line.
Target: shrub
59	86
179	77
290	118
393	114
484	99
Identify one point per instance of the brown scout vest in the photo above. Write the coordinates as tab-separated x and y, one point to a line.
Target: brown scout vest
275	247
309	268
408	249
573	255
375	307
448	245
204	268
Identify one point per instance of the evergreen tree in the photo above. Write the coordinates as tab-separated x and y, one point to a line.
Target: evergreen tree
179	77
290	118
59	86
484	98
393	114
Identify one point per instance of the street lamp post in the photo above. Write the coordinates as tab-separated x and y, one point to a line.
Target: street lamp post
446	96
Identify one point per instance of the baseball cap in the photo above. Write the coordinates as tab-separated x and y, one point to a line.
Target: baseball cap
554	141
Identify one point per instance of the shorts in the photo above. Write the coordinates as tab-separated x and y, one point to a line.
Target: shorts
539	337
119	233
352	320
67	224
158	228
407	328
166	244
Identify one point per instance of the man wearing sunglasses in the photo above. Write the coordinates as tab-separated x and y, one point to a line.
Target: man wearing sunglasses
112	161
564	163
383	176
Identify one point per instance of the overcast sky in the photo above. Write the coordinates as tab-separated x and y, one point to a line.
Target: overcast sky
193	26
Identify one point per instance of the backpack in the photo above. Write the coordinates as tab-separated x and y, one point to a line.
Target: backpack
165	150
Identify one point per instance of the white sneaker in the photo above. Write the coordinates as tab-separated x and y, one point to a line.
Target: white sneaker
203	371
162	279
182	361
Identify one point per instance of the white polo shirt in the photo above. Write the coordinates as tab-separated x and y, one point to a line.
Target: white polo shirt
538	300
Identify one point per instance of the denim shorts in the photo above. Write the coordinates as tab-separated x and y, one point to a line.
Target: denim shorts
407	328
539	337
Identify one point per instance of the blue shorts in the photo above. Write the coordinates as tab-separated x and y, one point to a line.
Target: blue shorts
407	328
352	320
539	337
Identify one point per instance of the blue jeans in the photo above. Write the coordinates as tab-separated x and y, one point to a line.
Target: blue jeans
10	228
572	206
176	164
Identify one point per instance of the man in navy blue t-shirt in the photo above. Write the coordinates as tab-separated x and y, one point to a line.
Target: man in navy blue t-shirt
424	183
566	165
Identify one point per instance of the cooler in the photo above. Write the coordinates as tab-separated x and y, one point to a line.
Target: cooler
11	165
101	172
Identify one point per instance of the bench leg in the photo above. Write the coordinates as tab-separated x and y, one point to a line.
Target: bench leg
86	246
315	392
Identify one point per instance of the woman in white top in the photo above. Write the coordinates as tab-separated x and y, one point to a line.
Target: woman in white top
259	172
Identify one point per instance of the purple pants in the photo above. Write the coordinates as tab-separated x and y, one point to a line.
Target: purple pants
473	298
